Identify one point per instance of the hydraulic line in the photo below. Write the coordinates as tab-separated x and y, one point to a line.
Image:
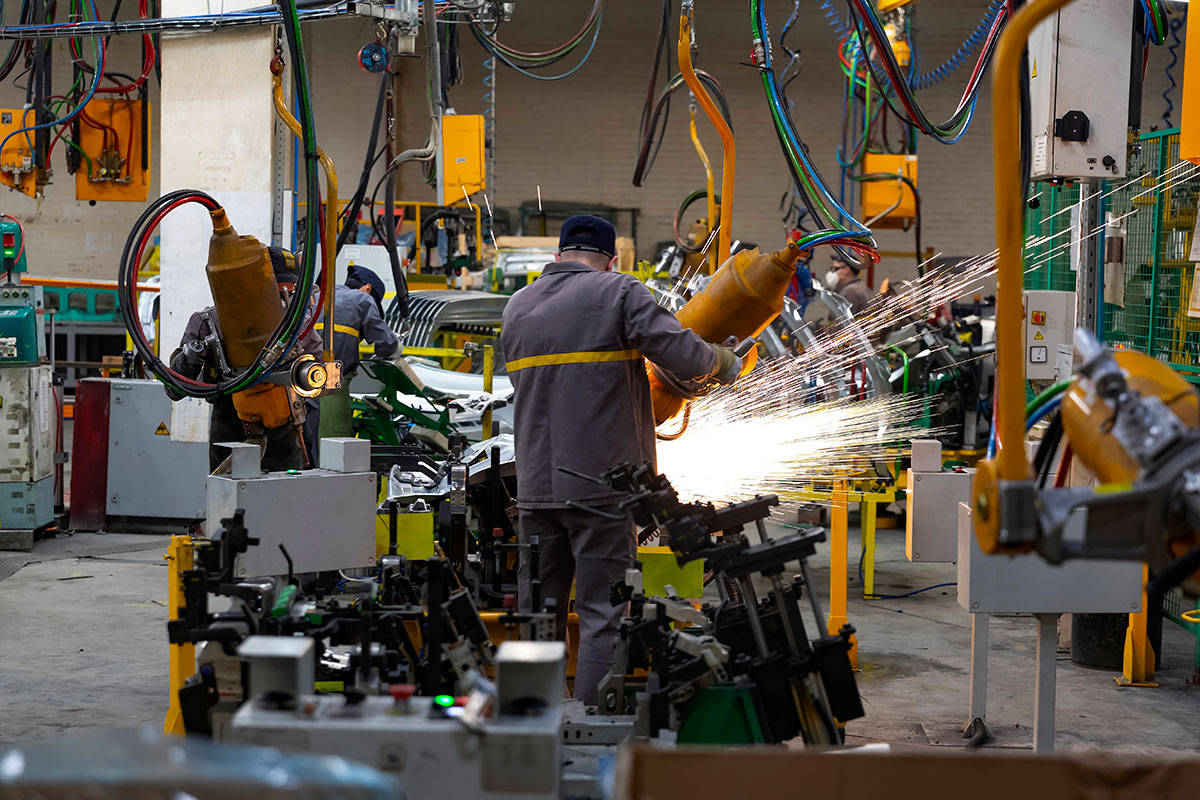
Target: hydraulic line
728	150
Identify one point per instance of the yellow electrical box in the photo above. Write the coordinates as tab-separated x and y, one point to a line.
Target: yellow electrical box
414	534
890	200
883	6
1189	125
110	136
661	569
16	160
463	170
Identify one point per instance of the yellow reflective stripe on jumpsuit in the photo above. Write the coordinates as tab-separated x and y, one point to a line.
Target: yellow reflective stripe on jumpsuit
340	329
586	357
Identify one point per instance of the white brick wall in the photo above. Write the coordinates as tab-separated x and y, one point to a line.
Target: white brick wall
576	138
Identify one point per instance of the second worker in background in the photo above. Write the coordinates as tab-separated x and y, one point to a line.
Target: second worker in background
574	341
357	315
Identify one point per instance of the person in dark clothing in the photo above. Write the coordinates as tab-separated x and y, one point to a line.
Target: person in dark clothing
197	357
575	341
844	279
357	315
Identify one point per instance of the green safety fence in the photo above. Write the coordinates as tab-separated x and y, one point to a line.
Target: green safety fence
1147	293
1048	221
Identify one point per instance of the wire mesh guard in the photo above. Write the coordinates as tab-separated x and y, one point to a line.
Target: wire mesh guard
1148	292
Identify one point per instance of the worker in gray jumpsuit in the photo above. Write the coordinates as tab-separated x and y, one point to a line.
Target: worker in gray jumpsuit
197	357
574	341
843	278
357	315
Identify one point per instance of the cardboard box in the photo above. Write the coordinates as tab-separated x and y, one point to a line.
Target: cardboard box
647	772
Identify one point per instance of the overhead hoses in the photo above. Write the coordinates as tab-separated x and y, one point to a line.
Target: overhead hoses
842	229
699	194
868	26
960	56
662	110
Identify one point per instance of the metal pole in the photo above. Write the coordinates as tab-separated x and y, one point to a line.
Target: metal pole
1086	278
813	598
750	600
1044	684
784	619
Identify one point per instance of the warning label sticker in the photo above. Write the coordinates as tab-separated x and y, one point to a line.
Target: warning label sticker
161	430
1037	337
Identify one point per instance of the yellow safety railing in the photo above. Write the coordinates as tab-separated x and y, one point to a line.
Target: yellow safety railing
180	558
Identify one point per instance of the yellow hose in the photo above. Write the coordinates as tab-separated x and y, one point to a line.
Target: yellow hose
331	210
1011	463
708	178
729	156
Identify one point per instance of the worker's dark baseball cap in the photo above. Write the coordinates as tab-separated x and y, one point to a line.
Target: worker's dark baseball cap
284	265
839	261
586	232
357	276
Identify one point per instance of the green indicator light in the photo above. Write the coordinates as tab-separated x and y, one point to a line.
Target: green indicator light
444	700
8	252
293	472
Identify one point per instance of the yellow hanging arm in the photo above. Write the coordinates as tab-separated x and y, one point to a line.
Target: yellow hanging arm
1010	465
708	175
330	233
729	156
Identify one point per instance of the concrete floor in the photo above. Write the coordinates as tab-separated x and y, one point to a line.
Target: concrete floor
84	646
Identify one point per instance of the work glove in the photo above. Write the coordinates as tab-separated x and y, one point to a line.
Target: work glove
729	365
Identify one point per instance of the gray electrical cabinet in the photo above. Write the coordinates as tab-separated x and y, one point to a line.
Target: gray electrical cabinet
28	424
150	473
1079	72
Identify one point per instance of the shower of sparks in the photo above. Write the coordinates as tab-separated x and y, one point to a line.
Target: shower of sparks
748	440
470	205
784	425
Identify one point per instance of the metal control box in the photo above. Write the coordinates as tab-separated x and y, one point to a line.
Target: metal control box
22	328
931	521
150	473
431	752
325	519
1049	332
1080	61
1028	584
29	416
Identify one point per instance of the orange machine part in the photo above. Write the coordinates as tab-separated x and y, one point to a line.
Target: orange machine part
740	301
267	403
17	150
244	291
112	126
1087	419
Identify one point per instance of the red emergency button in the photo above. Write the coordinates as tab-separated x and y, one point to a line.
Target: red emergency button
1038	318
402	691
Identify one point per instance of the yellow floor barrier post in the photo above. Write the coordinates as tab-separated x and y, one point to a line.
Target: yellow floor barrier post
1139	661
839	557
489	366
182	660
867	512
